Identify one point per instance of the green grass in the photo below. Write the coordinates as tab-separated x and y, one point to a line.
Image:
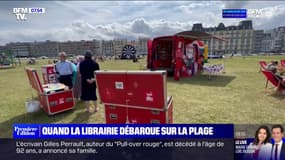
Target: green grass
238	97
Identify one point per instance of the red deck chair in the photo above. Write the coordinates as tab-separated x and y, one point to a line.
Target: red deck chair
275	81
263	65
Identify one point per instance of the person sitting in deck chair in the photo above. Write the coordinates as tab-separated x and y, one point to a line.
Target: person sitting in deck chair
273	67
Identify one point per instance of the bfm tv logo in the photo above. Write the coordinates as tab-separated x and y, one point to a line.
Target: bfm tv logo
21	13
255	13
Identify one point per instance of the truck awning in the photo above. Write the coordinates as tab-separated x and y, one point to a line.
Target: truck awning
198	35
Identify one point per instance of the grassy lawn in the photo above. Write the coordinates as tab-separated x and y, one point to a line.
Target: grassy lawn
238	97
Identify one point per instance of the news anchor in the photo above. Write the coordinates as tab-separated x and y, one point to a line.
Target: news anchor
278	149
260	148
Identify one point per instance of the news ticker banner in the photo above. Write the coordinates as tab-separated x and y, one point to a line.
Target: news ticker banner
103	131
127	149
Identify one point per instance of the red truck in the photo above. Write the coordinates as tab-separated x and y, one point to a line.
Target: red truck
180	54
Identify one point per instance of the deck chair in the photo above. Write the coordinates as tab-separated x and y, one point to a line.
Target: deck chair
263	65
282	62
274	80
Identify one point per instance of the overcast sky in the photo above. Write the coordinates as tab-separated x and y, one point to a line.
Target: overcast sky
85	20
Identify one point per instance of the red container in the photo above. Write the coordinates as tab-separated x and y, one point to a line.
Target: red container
54	98
112	87
138	115
115	114
49	74
145	89
57	102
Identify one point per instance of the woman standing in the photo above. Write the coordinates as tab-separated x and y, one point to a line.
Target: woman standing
77	86
88	84
260	148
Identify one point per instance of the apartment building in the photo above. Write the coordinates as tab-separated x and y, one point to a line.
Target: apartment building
239	38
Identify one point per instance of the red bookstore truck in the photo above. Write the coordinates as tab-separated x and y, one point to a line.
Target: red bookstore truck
182	54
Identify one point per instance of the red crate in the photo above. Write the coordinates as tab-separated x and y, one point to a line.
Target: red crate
138	115
115	114
54	98
145	89
112	88
57	102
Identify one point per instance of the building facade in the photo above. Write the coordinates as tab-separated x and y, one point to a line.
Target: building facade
3	49
258	36
19	49
273	40
107	48
46	48
239	39
79	47
52	48
243	39
118	45
142	46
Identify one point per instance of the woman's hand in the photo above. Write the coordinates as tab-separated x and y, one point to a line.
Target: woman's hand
90	81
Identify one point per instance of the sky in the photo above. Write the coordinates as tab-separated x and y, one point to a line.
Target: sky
107	20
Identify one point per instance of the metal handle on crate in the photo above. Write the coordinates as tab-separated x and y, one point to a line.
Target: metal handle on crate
113	116
53	103
112	107
155	121
154	112
69	99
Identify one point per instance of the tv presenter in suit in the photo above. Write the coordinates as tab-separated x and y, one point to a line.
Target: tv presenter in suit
278	148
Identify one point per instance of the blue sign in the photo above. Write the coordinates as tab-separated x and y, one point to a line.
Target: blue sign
234	13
